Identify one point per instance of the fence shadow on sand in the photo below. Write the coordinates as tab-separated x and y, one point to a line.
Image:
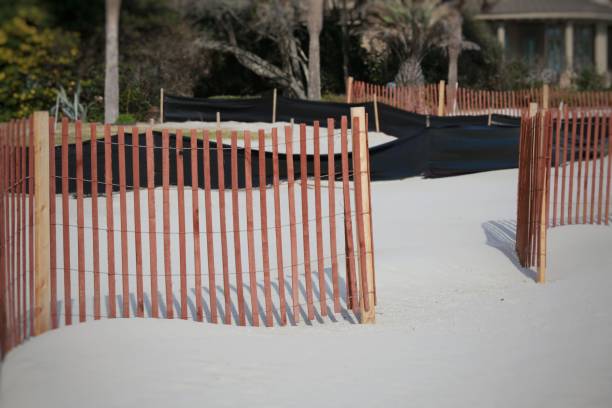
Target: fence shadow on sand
501	235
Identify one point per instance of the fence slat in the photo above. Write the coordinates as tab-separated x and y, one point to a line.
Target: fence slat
318	217
581	160
18	239
607	216
600	121
601	167
250	239
263	209
3	268
359	211
110	232
180	191
31	222
80	219
351	283
331	190
212	290
94	219
12	220
152	224
236	228
557	162
24	226
195	211
570	193
278	230
66	224
137	222
305	222
125	283
586	167
222	224
564	170
53	228
292	226
166	220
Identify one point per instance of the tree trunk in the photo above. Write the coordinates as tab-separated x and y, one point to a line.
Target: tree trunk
454	49
345	56
410	73
259	66
111	79
315	24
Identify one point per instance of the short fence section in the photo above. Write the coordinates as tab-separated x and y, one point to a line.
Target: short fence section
565	172
465	101
183	225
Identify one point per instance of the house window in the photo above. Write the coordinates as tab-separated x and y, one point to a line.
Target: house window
584	38
531	36
553	37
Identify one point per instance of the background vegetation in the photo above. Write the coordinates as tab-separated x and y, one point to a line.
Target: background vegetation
46	45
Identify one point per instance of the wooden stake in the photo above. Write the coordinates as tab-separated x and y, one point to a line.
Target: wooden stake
161	105
349	90
441	89
42	227
543	210
376	121
367	316
218	121
545	96
274	106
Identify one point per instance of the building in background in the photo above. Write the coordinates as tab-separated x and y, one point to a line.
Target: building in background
560	37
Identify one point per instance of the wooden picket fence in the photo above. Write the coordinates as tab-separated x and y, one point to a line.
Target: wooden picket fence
565	172
440	99
42	234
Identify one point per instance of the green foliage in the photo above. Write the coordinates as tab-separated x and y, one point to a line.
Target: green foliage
589	80
478	69
34	61
514	75
72	108
125	119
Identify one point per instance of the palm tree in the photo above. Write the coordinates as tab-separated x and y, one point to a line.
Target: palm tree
314	22
111	79
410	28
455	43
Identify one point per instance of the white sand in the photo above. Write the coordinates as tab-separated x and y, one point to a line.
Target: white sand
459	324
374	138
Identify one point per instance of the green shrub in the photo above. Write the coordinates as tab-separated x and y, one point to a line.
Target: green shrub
34	62
125	119
589	80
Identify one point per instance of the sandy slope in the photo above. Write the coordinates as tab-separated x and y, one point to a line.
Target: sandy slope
459	325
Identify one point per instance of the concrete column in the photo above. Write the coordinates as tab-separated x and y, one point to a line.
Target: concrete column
601	48
569	46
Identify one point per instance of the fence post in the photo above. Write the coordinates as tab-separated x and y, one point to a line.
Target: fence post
161	105
376	120
543	141
369	316
349	90
274	106
545	96
441	89
42	223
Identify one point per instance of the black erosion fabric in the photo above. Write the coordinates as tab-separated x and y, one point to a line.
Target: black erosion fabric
429	145
425	145
173	154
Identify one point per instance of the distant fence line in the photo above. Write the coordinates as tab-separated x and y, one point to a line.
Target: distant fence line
39	242
565	174
440	99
